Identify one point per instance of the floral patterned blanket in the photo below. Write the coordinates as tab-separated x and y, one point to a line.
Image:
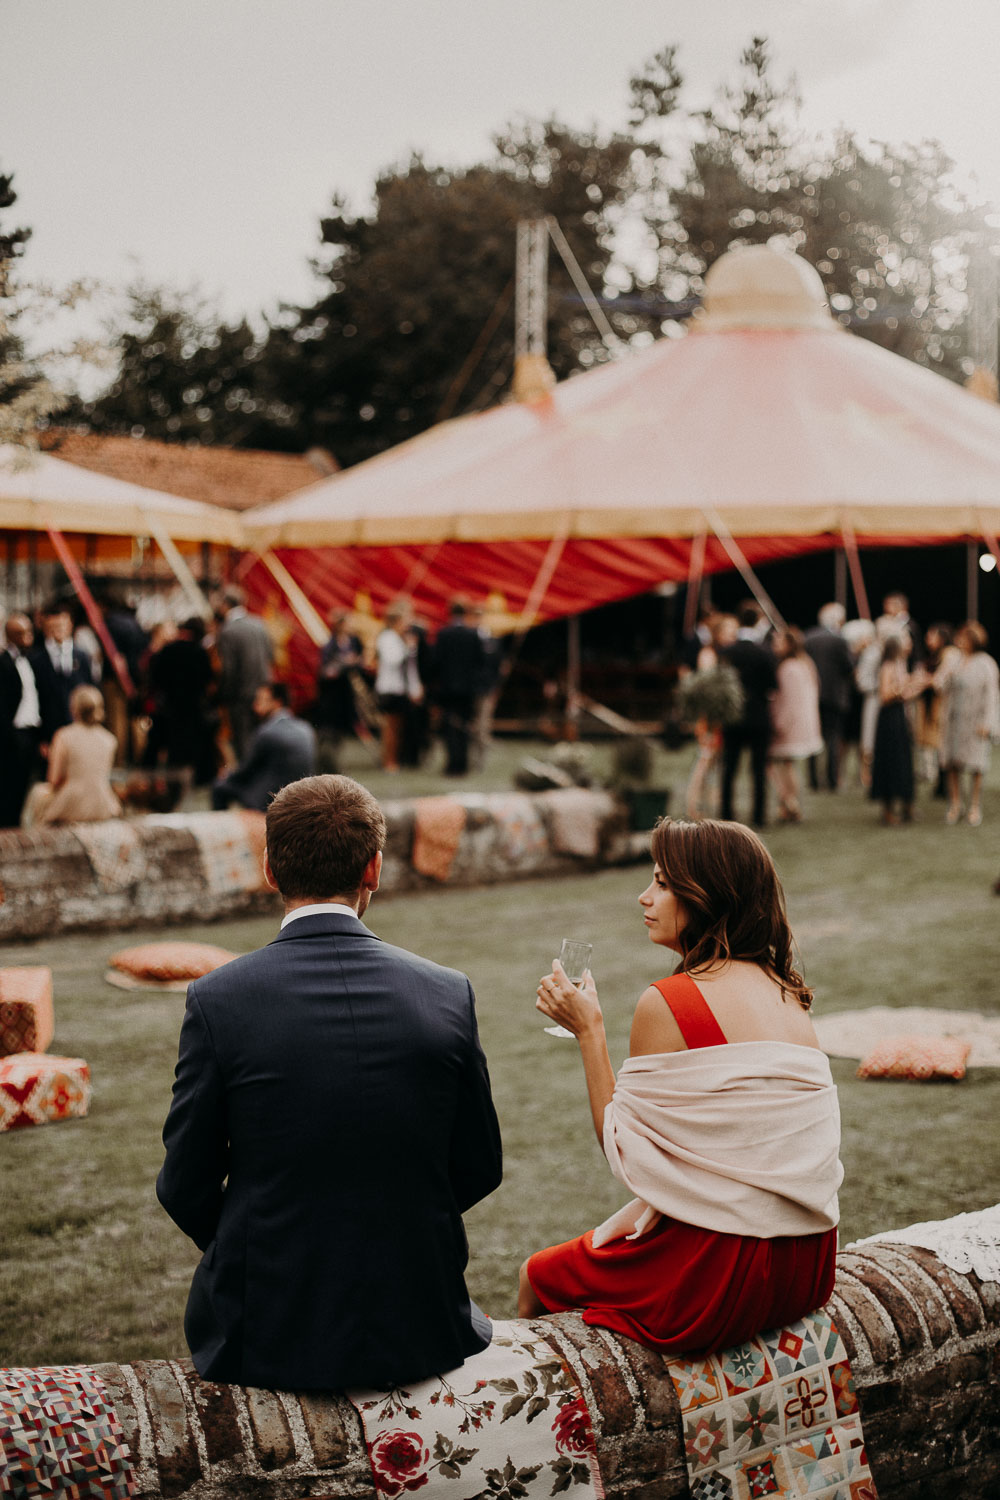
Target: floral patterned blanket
511	1422
775	1416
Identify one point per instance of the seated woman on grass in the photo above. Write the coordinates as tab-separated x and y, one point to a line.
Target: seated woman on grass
723	1120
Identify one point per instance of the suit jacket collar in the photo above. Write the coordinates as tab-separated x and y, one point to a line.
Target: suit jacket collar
334	925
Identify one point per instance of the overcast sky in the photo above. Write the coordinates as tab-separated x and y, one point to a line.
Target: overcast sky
199	141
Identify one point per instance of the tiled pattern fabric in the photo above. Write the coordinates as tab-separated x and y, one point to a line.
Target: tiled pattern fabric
230	846
26	1019
36	1088
776	1416
115	852
511	1422
60	1437
522	831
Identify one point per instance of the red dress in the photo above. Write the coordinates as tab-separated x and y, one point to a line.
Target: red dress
680	1288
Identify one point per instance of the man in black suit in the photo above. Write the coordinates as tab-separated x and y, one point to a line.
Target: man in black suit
20	719
835	668
331	1122
282	750
59	667
758	675
458	664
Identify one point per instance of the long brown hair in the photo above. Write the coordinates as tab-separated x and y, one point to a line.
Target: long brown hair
725	879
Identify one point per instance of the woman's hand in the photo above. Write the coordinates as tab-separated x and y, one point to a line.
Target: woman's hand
578	1009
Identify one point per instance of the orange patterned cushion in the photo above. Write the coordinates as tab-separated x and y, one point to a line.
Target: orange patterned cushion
36	1087
162	962
26	1019
916	1057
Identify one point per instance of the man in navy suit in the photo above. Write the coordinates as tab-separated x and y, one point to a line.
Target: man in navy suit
59	667
330	1124
282	750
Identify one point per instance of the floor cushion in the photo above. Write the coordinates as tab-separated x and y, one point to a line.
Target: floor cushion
37	1088
916	1057
169	963
26	1018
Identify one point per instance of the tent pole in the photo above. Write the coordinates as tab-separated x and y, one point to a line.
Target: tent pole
91	610
696	571
853	556
840	577
572	676
178	567
736	557
990	541
302	607
972	580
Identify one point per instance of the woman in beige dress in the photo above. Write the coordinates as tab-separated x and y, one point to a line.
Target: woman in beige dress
78	788
970	715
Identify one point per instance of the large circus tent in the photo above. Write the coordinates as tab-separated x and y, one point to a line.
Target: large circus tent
767	431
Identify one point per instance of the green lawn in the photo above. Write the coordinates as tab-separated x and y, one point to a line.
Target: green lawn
91	1269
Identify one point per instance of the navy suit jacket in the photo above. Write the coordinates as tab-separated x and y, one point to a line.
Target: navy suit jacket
331	1121
283	749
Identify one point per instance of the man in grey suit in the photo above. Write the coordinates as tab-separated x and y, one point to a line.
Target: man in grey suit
246	659
282	750
331	1122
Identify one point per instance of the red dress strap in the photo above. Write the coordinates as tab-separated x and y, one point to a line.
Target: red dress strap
690	1010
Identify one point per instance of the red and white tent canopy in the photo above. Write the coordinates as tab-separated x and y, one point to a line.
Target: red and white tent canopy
767	423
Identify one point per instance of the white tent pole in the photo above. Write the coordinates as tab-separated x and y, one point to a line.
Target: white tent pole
609	338
741	565
179	567
972	580
303	609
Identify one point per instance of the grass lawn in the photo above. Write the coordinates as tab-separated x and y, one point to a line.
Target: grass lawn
91	1269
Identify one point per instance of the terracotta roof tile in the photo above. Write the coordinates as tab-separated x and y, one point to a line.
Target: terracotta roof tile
236	478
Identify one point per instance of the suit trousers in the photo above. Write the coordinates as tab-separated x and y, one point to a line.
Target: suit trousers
735	740
831	724
20	762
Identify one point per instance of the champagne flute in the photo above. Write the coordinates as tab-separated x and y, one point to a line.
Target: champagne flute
575	959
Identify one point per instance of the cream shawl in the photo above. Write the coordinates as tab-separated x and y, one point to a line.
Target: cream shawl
743	1139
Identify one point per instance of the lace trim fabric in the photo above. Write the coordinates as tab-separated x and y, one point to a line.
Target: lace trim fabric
968	1242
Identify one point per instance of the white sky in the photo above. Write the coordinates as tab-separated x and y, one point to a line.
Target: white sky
199	141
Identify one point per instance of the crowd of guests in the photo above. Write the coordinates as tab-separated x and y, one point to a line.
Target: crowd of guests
890	692
199	701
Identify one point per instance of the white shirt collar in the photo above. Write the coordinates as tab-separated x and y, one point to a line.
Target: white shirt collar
322	909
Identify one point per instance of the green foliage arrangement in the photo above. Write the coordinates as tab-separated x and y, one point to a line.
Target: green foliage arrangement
714	694
631	764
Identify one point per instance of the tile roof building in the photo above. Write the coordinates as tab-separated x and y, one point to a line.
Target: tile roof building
236	478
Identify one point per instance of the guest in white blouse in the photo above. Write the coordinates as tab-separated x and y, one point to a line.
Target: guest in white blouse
397	679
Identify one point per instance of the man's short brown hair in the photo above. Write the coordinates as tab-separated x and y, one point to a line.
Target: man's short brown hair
322	832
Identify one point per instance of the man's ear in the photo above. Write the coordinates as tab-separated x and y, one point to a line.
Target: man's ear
269	879
373	870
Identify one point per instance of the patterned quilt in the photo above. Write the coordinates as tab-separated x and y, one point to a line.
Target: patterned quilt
776	1416
60	1437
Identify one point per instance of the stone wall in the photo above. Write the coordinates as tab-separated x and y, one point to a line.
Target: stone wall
924	1344
177	867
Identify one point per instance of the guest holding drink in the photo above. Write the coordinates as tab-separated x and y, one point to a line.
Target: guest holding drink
723	1121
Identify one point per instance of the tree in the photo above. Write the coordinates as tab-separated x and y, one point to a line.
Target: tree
26	396
886	229
183	376
426	280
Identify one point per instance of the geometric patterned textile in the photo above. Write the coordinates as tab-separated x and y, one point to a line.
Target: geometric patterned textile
26	1020
60	1437
775	1416
230	845
919	1057
116	856
511	1421
522	832
36	1088
437	831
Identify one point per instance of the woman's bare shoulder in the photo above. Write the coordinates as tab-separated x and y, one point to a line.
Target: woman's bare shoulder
653	1026
751	1006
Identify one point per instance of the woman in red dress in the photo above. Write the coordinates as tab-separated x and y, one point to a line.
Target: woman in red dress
723	1120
